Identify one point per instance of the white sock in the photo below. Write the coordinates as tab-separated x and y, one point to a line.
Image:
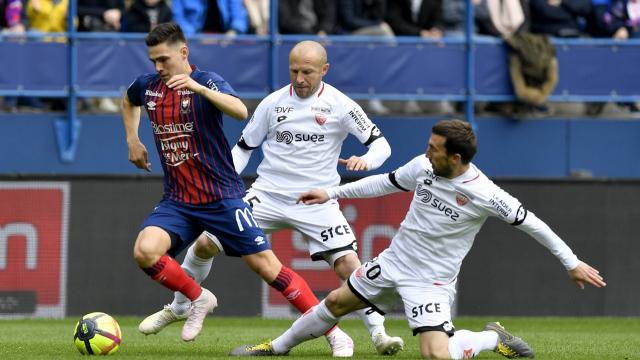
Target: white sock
465	344
373	321
198	268
309	326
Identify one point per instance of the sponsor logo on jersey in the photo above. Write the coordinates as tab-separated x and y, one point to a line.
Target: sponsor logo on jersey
321	109
288	137
151	105
185	107
501	206
321	119
152	93
172	128
427	197
461	199
283	109
359	119
339	230
212	85
184	92
429	308
431	175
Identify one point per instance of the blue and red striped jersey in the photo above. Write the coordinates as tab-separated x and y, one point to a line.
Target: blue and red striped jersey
195	155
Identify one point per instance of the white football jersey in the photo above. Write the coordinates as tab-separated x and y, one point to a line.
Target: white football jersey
445	215
303	138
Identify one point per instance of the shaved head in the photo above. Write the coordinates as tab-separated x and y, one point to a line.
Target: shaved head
307	65
310	51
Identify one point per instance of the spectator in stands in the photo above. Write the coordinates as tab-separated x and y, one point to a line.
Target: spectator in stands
366	17
144	15
11	21
211	16
100	15
258	11
47	15
559	18
502	18
317	17
620	20
416	18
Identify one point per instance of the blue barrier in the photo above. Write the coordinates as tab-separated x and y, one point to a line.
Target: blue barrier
466	69
549	148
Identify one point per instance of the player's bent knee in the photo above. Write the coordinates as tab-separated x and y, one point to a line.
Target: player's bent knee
150	245
335	304
206	247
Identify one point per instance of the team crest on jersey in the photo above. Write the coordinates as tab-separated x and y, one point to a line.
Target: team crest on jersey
321	119
185	107
461	199
151	105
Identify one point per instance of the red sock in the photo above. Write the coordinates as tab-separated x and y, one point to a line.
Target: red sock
171	275
295	289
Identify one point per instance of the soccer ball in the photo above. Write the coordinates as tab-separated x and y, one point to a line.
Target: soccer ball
97	334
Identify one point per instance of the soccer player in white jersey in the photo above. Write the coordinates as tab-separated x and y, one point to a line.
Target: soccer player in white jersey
301	128
452	199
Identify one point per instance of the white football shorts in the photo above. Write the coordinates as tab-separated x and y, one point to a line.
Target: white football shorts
385	280
323	226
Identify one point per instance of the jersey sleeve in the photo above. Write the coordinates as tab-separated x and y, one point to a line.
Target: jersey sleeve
257	128
357	123
134	92
501	204
404	178
215	82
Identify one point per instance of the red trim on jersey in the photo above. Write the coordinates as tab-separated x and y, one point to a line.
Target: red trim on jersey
470	180
321	90
290	90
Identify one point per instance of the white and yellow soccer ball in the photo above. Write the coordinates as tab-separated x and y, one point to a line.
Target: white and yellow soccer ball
97	334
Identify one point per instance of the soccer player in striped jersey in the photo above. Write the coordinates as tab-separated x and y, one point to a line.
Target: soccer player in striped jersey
202	191
452	199
301	128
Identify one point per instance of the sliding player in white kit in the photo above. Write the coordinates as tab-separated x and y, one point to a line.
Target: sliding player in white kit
452	199
301	128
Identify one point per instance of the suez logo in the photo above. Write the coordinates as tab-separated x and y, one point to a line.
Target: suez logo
288	137
428	198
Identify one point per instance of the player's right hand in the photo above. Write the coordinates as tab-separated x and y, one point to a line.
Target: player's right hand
585	274
138	155
315	196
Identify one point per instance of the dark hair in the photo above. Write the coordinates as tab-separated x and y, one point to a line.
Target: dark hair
170	33
460	138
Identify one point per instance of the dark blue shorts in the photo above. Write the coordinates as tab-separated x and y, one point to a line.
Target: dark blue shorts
231	220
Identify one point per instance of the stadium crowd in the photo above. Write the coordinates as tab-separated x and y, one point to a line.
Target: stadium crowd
429	19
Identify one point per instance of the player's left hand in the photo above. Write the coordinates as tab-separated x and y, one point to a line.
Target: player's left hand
584	273
354	163
183	81
312	197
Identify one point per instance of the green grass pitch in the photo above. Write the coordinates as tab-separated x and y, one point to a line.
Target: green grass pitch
551	338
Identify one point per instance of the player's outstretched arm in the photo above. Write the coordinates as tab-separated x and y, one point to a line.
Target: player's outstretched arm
137	151
585	274
228	104
315	196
